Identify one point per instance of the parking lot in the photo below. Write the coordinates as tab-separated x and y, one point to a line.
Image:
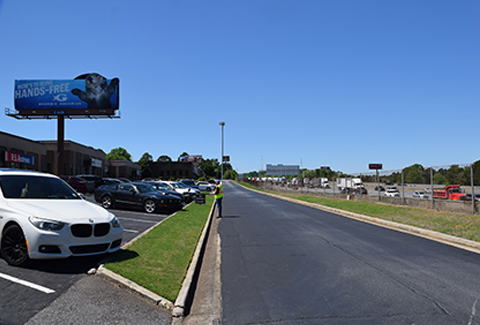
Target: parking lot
25	291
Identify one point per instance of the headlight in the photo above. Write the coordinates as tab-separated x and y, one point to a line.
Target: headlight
115	222
45	224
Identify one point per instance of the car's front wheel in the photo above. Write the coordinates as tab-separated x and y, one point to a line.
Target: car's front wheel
107	202
149	206
14	246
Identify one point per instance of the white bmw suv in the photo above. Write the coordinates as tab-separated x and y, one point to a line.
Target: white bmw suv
42	217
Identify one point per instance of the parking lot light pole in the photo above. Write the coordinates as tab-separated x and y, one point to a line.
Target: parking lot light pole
222	124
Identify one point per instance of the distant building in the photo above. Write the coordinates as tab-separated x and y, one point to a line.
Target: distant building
282	170
175	170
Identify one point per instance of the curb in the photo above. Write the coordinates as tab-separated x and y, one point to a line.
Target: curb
193	268
178	307
462	243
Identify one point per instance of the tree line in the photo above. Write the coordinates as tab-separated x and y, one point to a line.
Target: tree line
210	167
415	174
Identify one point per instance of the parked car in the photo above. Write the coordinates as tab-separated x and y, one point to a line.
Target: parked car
137	195
205	186
392	192
420	194
79	184
379	188
109	181
164	189
189	183
95	179
54	218
188	193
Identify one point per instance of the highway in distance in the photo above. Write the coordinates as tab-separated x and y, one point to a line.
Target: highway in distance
285	263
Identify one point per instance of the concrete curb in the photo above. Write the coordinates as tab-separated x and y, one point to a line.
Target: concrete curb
134	288
178	307
462	243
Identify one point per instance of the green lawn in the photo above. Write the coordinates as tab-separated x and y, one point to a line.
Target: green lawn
160	259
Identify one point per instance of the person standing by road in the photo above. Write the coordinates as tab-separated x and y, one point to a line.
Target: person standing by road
218	192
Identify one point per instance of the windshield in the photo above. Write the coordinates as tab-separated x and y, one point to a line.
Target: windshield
178	185
145	188
35	187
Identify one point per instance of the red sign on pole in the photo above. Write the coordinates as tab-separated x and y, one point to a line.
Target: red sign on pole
375	166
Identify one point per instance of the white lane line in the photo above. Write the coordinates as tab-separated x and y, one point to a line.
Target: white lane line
26	283
139	220
129	230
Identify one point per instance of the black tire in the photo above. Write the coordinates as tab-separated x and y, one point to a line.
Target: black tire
208	189
149	206
107	202
14	246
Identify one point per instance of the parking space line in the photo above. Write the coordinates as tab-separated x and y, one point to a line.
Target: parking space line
139	220
26	283
130	230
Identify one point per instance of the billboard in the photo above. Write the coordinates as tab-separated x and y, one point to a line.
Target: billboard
88	94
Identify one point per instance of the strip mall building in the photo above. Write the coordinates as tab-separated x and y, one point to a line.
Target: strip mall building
22	153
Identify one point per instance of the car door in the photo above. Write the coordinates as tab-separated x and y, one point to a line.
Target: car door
127	194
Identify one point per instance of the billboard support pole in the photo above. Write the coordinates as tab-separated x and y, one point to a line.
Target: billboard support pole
60	143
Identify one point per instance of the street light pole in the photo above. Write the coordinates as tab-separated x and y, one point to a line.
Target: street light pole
222	124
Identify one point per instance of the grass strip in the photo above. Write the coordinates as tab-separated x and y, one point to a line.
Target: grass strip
465	226
159	260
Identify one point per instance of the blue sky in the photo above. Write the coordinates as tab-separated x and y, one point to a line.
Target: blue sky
313	83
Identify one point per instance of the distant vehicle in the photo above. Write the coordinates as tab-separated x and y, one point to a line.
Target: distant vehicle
450	192
95	179
188	194
79	184
351	183
469	197
205	186
360	190
137	195
44	218
109	181
189	182
164	189
392	192
320	182
420	194
379	188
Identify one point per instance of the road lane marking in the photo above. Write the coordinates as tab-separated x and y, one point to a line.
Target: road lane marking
129	230
26	283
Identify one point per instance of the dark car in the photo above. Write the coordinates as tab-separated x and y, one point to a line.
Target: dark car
189	183
379	188
137	195
360	190
79	184
97	180
164	189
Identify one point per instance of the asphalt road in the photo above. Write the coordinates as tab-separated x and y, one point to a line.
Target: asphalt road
285	263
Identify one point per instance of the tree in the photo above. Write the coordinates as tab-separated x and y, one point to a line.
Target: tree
118	154
415	174
439	179
145	162
164	158
210	167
